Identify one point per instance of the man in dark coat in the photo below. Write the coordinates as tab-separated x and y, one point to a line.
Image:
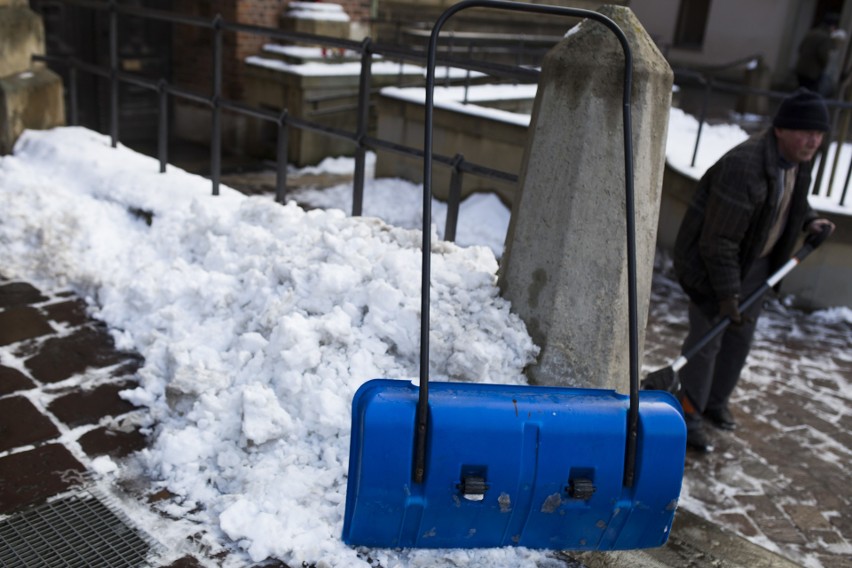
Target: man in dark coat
741	226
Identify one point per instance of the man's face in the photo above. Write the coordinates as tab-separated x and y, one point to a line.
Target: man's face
798	145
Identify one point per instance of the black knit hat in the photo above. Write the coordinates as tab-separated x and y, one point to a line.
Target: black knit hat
803	110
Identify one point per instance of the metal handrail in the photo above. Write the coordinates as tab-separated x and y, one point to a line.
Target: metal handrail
216	101
711	85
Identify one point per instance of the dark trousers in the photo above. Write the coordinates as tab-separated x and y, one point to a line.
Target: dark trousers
710	376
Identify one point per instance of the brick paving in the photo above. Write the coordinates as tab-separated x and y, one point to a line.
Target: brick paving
780	480
60	375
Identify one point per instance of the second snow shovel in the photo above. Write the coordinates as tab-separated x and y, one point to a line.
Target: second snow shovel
665	379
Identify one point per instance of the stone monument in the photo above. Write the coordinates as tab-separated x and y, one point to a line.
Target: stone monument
565	264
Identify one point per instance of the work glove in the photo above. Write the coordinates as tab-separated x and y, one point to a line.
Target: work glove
730	307
818	225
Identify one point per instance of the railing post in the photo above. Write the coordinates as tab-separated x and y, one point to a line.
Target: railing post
707	88
838	147
163	125
451	46
72	91
519	59
363	124
454	200
846	185
823	157
467	75
113	77
281	161
216	134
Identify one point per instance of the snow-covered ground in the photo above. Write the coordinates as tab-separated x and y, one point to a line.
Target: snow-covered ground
257	323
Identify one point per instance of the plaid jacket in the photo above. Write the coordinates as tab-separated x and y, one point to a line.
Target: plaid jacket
728	221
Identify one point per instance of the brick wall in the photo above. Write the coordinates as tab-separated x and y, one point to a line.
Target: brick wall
192	47
358	10
257	13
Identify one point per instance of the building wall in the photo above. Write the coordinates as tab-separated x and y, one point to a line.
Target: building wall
735	29
193	60
264	13
192	46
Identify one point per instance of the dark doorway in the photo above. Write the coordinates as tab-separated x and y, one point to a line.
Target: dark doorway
691	24
144	48
825	7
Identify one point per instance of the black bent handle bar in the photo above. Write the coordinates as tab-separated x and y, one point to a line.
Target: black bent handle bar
422	415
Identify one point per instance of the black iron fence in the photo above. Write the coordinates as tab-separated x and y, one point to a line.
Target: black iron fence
360	137
216	102
830	167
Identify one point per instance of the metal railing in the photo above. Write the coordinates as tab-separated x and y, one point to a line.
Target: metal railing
284	121
839	111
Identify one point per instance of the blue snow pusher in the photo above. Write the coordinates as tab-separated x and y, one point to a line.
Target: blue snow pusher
473	465
541	467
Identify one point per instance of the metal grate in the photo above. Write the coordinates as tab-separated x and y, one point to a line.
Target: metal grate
75	531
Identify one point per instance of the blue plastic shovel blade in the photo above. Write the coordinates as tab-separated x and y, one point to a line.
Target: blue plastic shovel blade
507	465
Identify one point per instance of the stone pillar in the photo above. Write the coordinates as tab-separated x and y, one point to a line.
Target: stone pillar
30	94
756	76
565	264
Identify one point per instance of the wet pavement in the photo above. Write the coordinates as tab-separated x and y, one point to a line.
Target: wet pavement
47	424
781	479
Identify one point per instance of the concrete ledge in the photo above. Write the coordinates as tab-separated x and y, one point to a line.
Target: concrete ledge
328	19
29	100
329	99
693	542
313	98
821	281
488	142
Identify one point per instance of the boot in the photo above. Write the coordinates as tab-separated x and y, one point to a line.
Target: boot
721	418
696	437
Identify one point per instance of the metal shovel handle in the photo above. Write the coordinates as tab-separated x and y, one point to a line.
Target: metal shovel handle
812	242
422	414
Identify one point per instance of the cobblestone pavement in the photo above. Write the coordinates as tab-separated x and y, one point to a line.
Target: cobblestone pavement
781	479
60	375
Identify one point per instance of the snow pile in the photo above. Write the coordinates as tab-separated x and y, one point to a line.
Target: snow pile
483	218
257	323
